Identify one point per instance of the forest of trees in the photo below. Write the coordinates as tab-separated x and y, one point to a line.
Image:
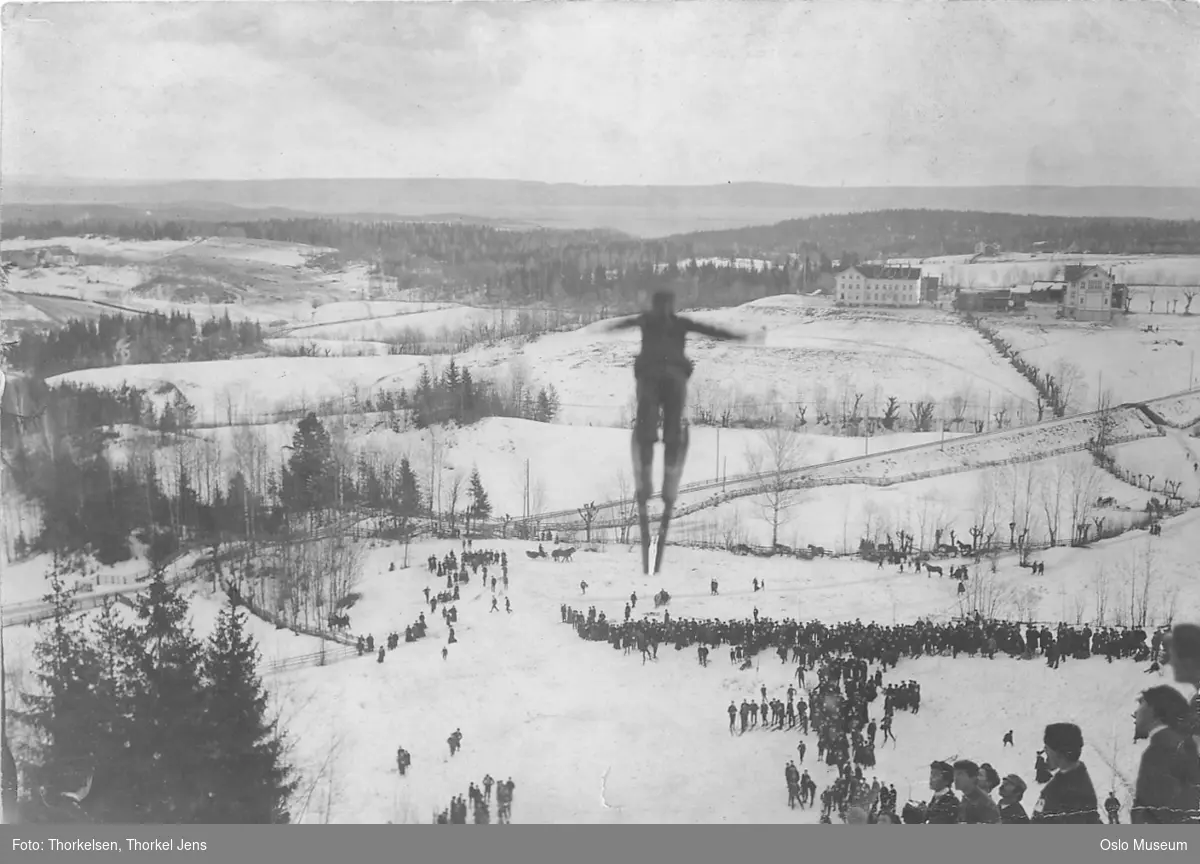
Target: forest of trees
143	723
914	233
149	338
88	502
613	271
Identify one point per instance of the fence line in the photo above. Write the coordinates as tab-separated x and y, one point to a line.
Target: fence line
323	657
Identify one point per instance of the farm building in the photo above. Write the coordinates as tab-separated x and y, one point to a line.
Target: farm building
878	285
1089	294
26	259
43	256
989	300
930	285
1048	290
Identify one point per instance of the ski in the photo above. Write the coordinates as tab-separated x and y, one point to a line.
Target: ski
663	525
644	523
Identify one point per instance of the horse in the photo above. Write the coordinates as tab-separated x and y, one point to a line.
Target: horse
818	551
339	622
933	568
662	598
563	554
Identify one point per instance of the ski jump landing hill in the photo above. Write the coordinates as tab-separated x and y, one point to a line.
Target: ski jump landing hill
1125	423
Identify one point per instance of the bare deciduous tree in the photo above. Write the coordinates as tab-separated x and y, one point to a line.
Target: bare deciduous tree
1083	482
1069	386
1105	423
628	509
1052	487
985	596
780	453
452	496
1100	596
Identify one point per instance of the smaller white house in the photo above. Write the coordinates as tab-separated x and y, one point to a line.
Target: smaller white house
878	285
1089	294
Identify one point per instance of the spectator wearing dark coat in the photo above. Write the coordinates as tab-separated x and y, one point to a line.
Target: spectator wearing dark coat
1183	653
977	807
1069	798
1012	790
1168	782
943	806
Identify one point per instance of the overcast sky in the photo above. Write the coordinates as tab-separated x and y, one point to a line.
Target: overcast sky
827	93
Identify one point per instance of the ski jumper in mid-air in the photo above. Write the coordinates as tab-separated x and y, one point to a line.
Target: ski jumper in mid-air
662	371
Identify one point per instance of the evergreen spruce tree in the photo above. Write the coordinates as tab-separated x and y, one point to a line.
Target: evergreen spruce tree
311	465
70	737
481	507
166	757
408	492
248	780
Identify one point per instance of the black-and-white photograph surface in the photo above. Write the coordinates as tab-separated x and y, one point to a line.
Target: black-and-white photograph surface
600	412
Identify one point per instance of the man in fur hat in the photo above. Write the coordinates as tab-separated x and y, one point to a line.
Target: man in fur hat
943	806
1169	776
1069	798
1012	790
977	806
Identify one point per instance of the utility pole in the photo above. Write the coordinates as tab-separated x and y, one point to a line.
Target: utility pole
717	467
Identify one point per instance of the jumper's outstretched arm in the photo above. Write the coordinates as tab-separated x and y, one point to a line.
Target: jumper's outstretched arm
627	323
712	331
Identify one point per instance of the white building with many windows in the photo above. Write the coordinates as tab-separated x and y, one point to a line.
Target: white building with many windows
878	285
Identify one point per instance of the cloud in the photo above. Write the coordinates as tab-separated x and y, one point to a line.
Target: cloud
826	93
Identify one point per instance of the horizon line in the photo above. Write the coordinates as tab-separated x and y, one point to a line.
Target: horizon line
34	179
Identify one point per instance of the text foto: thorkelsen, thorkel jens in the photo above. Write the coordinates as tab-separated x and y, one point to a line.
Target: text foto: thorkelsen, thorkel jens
53	844
1140	845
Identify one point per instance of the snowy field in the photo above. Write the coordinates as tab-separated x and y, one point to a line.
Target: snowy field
588	734
1119	357
259	386
499	448
828	355
431	323
585	732
836	517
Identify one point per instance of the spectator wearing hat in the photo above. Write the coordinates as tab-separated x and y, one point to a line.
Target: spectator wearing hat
943	806
977	807
1168	781
1012	812
989	779
1069	798
1183	653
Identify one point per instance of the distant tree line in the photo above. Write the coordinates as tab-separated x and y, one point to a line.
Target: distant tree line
596	268
614	273
924	233
113	339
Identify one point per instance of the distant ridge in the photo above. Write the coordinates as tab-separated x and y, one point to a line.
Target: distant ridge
647	211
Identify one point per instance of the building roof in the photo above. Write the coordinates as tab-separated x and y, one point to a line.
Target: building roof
1075	272
882	271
